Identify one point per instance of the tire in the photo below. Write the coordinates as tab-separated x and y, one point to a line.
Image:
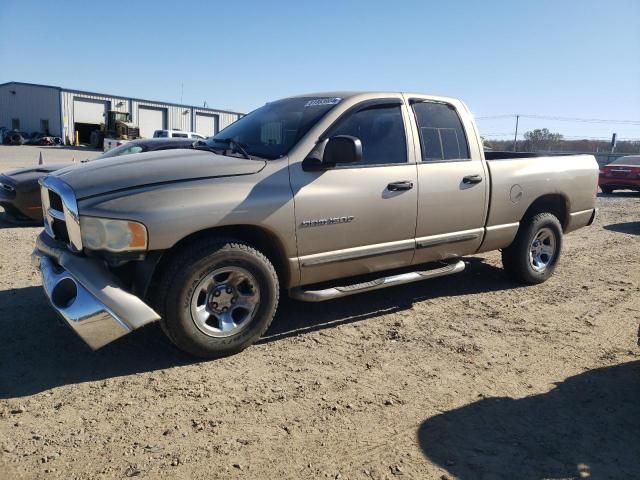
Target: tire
16	139
196	280
606	190
519	260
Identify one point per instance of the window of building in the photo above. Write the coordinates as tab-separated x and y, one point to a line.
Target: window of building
381	130
44	126
442	136
15	124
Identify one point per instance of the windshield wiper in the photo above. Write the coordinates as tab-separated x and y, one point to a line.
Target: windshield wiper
235	146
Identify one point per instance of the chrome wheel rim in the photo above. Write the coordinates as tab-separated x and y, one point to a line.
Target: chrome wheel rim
542	249
225	302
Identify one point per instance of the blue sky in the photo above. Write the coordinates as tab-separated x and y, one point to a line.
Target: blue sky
564	58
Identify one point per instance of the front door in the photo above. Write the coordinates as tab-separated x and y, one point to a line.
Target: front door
354	219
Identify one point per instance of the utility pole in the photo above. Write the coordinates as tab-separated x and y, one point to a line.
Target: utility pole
515	138
613	142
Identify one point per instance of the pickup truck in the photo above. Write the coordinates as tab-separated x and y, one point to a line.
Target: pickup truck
319	196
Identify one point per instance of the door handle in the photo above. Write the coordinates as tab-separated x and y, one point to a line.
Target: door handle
397	186
471	179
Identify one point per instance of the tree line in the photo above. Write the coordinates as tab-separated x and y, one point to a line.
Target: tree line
542	140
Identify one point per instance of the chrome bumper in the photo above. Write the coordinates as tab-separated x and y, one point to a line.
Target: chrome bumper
85	294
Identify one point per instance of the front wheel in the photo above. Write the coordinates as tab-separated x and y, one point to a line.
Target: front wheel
217	297
534	254
606	189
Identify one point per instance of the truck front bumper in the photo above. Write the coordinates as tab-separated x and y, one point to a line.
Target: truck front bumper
87	296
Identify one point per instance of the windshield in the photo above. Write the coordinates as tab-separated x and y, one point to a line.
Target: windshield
272	130
631	160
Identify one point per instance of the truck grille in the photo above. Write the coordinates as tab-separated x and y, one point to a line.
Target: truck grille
55	201
60	212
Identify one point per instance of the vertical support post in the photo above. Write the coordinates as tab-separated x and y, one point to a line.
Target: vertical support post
515	138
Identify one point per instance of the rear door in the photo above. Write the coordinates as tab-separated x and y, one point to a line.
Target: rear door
351	220
453	182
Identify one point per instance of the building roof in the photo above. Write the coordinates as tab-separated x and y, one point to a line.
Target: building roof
72	90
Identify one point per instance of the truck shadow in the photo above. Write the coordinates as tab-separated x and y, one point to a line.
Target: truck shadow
632	228
296	318
39	352
587	426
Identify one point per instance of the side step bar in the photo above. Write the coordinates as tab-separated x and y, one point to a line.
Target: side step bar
400	279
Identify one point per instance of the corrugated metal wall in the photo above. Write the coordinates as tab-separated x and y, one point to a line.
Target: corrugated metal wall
30	104
227	119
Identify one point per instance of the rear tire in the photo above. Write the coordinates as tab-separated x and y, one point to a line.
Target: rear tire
607	190
217	297
534	254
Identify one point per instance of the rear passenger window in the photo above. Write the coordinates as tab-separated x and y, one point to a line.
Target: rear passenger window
381	131
442	136
180	135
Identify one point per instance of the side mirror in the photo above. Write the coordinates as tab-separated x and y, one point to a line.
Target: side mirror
334	150
342	149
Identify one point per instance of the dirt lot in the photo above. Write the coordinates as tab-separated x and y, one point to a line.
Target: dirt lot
28	155
468	376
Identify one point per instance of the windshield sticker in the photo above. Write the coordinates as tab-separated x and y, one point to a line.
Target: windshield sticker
322	101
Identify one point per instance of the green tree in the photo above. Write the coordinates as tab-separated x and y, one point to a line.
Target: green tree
542	139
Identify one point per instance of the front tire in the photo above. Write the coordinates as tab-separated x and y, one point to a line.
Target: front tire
534	254
607	190
217	297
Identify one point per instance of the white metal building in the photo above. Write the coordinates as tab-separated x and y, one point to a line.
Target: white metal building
62	111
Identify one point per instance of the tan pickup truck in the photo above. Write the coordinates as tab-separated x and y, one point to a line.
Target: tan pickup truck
320	196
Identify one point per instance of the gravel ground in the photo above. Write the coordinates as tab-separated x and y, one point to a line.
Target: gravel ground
27	155
468	376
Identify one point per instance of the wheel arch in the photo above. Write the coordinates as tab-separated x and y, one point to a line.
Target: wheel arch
554	203
260	238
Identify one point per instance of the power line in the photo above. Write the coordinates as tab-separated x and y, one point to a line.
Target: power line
562	119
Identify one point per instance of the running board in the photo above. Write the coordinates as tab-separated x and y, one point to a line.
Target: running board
384	282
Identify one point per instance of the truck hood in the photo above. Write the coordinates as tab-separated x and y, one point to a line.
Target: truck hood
143	169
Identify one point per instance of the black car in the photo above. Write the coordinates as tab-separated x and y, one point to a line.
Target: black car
20	191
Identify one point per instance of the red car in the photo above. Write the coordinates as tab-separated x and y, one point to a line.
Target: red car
621	174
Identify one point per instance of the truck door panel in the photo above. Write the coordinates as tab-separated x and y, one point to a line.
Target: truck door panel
359	218
453	184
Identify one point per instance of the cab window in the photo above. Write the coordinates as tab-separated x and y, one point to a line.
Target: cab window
442	136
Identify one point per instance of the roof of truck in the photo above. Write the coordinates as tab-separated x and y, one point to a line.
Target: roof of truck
355	93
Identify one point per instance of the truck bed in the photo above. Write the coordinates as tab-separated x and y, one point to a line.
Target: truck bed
518	182
495	155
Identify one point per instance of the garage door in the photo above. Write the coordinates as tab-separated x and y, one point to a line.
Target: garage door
206	124
151	119
89	111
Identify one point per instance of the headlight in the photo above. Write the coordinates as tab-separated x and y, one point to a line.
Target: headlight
112	235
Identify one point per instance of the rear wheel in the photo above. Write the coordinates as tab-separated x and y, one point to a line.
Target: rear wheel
606	189
534	254
217	297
